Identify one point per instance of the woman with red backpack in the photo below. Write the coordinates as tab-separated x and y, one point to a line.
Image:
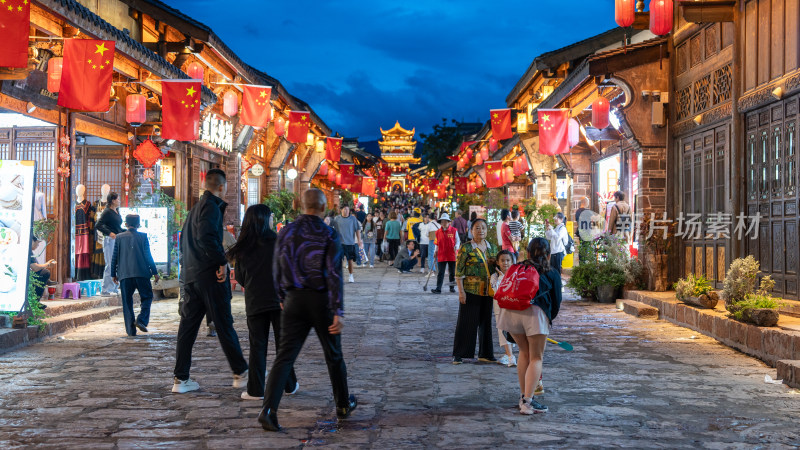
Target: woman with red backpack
530	297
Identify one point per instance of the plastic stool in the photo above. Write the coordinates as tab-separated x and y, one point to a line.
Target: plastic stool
73	288
96	287
86	288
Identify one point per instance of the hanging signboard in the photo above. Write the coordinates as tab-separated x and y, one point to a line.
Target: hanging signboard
217	133
154	223
17	183
257	170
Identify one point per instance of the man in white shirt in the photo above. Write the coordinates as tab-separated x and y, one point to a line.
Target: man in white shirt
427	229
558	238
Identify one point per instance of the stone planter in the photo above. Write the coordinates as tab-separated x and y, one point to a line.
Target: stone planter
656	272
606	293
762	317
168	288
709	300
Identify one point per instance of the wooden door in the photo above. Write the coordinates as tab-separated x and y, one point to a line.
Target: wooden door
771	145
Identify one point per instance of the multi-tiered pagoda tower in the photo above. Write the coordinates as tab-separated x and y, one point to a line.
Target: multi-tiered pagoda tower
397	149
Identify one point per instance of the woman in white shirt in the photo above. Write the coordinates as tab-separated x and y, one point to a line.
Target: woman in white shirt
558	238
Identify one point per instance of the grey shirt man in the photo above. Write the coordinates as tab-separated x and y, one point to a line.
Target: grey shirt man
347	227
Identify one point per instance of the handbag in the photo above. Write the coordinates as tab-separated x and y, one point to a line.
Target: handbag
486	266
519	287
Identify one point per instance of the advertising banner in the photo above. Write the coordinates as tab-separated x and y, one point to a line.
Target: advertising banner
17	184
154	223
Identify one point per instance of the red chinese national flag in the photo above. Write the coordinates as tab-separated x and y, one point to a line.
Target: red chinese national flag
348	173
441	191
461	185
15	22
368	186
86	75
333	149
501	124
256	109
357	185
494	174
299	122
180	110
553	131
383	182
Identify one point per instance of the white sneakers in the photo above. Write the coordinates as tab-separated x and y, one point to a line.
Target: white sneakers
184	386
296	388
506	361
422	270
351	280
246	396
240	381
371	266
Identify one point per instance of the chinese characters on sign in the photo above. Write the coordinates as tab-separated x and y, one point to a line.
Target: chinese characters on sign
217	132
688	226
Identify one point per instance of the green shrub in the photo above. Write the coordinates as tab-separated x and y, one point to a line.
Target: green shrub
740	279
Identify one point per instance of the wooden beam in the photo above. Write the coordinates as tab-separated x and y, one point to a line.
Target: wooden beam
45	22
19	106
622	61
708	11
105	130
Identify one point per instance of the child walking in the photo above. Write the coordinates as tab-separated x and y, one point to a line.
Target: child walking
504	262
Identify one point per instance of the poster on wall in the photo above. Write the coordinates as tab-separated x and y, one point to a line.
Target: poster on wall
17	183
154	222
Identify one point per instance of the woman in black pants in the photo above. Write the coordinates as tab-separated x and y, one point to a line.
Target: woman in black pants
253	254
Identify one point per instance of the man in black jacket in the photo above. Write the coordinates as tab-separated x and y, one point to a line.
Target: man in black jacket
132	265
207	285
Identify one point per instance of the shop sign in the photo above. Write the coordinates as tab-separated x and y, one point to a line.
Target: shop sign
154	223
257	170
165	176
17	180
217	132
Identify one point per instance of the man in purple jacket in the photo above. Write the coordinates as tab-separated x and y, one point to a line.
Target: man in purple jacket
308	277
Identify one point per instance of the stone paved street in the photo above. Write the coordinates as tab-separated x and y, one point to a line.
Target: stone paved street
629	383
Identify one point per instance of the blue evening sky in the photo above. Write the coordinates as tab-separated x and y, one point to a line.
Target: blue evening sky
362	65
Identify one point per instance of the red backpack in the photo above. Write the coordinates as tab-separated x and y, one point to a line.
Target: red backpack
519	286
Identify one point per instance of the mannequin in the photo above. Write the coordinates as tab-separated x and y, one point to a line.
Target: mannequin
98	257
84	225
40	213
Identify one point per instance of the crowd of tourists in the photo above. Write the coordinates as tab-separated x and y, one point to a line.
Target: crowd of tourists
294	281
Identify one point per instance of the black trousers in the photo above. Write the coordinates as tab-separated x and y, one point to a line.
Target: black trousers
394	244
43	276
214	299
556	260
474	320
258	326
127	286
379	248
451	265
423	253
304	309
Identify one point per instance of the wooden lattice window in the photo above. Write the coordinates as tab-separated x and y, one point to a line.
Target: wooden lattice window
684	103
701	93
100	171
723	82
44	155
253	191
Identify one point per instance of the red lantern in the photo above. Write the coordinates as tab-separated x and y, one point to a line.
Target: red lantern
485	153
600	109
339	178
479	159
509	175
492	146
323	168
331	175
195	71
660	17
230	104
54	69
573	132
624	12
136	109
524	167
469	153
280	126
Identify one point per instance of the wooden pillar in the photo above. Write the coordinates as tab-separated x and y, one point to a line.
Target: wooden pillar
737	183
64	208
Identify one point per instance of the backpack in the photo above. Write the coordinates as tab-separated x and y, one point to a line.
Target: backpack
415	231
569	246
518	288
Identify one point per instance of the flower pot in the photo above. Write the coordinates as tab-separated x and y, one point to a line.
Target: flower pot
657	272
762	317
606	293
709	300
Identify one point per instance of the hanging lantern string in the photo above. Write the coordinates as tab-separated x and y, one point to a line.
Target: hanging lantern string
226	83
48	38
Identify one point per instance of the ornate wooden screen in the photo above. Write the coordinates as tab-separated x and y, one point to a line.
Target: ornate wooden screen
771	152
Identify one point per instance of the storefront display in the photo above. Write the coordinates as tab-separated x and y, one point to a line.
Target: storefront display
17	180
154	223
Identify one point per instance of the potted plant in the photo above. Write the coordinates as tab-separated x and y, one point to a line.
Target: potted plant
696	291
743	301
582	281
609	278
44	229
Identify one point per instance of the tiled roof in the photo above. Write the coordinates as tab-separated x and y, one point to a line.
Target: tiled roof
629	48
93	24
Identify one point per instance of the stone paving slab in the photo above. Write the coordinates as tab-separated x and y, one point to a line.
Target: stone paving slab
629	383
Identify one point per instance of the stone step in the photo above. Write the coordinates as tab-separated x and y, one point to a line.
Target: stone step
638	309
790	307
58	307
66	322
789	372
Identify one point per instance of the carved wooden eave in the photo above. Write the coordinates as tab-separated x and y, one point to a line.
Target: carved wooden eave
718	114
789	84
707	11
